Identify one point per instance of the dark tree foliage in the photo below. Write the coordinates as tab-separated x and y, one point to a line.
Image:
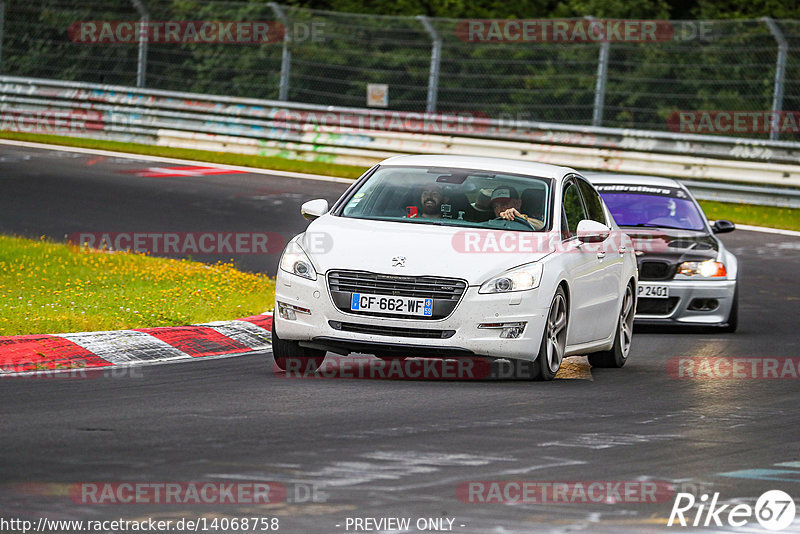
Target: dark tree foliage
670	9
380	41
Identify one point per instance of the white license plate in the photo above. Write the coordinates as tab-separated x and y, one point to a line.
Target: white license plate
653	292
395	305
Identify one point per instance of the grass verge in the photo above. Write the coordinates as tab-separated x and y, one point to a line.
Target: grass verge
260	162
786	218
47	287
773	217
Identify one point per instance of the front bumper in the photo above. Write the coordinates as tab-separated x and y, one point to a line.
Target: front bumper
464	338
684	294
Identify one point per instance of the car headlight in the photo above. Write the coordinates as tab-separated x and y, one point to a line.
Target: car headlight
518	279
703	269
295	261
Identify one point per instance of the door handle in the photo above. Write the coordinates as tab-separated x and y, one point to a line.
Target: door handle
622	250
601	254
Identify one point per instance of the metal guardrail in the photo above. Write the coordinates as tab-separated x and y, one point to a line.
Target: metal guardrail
745	194
364	136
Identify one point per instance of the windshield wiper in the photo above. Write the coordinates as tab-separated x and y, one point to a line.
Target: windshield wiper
648	225
423	220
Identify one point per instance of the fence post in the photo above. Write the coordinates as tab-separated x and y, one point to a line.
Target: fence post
436	59
2	26
602	79
286	55
780	75
141	66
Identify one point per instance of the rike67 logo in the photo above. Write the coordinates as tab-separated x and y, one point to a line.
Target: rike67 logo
774	510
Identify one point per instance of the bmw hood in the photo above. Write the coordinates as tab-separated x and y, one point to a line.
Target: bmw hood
419	249
674	246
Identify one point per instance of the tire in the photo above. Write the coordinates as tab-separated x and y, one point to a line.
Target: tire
554	339
618	355
290	355
733	316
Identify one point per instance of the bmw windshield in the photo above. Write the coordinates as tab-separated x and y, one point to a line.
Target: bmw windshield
651	206
452	197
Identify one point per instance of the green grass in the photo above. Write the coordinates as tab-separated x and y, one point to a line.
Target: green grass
261	162
773	217
47	287
785	218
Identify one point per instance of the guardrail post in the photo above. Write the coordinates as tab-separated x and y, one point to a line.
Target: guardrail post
780	75
436	59
602	79
141	65
286	55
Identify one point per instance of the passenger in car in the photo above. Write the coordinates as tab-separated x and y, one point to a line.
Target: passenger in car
480	210
431	201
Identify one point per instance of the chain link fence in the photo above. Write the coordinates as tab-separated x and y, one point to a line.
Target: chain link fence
745	66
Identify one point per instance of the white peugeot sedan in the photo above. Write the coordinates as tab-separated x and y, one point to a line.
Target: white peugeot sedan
451	256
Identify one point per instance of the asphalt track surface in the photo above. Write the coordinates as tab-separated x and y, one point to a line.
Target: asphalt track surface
379	447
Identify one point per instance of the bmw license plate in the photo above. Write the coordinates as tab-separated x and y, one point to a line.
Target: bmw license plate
653	291
393	305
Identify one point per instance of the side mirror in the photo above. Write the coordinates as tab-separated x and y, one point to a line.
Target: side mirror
314	208
592	231
723	227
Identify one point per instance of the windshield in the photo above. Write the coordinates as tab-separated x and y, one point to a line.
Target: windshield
665	207
452	197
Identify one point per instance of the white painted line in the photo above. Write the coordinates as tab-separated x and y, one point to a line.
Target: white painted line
795	465
766	230
144	157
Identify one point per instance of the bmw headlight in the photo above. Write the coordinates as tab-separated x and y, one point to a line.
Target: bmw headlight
295	261
518	279
703	269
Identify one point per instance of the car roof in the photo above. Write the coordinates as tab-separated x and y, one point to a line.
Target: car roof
482	163
632	179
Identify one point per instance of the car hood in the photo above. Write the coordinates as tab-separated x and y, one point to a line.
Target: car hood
429	250
673	245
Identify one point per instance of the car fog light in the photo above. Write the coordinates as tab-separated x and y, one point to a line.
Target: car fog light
289	311
286	312
507	330
512	330
703	305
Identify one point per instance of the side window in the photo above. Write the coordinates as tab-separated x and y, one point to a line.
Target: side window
593	203
573	208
